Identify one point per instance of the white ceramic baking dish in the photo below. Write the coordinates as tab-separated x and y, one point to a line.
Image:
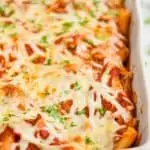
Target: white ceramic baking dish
137	67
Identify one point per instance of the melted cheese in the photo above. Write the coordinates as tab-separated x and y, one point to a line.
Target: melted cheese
48	83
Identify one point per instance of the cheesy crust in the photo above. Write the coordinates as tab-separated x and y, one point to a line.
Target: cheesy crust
64	84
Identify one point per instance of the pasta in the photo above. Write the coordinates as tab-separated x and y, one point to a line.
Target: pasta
64	84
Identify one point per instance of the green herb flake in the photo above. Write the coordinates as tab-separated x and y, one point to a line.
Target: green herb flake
76	86
10	26
46	93
67	26
13	35
92	13
48	62
88	141
80	112
96	3
84	22
147	21
7	26
73	124
45	2
44	40
78	5
66	92
29	109
65	62
54	113
113	13
102	111
90	42
78	16
39	26
102	37
2	10
6	11
7	117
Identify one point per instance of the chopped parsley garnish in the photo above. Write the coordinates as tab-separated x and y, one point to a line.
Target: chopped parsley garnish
10	26
66	62
45	2
7	26
90	42
92	13
54	113
73	124
48	62
96	3
88	140
39	26
78	16
76	86
102	111
147	20
44	40
36	2
102	37
66	92
7	117
32	20
78	5
67	26
46	93
13	34
113	13
28	110
84	22
6	11
81	112
2	10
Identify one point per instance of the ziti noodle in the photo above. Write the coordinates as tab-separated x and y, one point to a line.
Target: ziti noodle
64	81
